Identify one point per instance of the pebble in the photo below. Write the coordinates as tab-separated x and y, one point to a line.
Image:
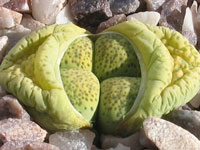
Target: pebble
27	145
45	11
90	12
154	5
120	147
188	27
187	119
14	34
29	23
9	18
18	5
73	140
22	130
2	2
11	108
108	141
64	16
111	22
168	136
173	13
147	17
144	141
124	6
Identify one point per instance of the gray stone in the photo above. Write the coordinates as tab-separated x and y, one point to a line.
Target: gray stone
111	22
187	119
90	13
173	13
73	140
11	108
154	5
168	136
124	7
132	141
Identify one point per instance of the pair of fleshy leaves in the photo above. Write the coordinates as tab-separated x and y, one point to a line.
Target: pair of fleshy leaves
170	68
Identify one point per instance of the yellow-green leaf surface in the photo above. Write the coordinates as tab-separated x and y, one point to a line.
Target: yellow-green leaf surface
31	72
57	72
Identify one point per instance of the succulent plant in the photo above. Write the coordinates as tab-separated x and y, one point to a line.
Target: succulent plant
67	78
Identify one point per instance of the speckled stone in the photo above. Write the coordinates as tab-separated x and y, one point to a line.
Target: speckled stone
168	136
73	140
124	6
27	145
18	129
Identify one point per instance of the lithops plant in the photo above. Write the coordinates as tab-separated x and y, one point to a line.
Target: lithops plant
67	78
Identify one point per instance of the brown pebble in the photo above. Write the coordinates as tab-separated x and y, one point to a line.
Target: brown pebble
11	108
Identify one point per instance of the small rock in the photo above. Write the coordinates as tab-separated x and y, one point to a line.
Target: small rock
132	141
3	48
120	147
14	34
124	7
154	5
147	17
173	13
188	27
111	22
2	2
142	7
21	130
9	18
196	20
168	136
187	119
64	16
73	140
144	141
27	145
45	11
30	23
18	5
11	108
90	12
